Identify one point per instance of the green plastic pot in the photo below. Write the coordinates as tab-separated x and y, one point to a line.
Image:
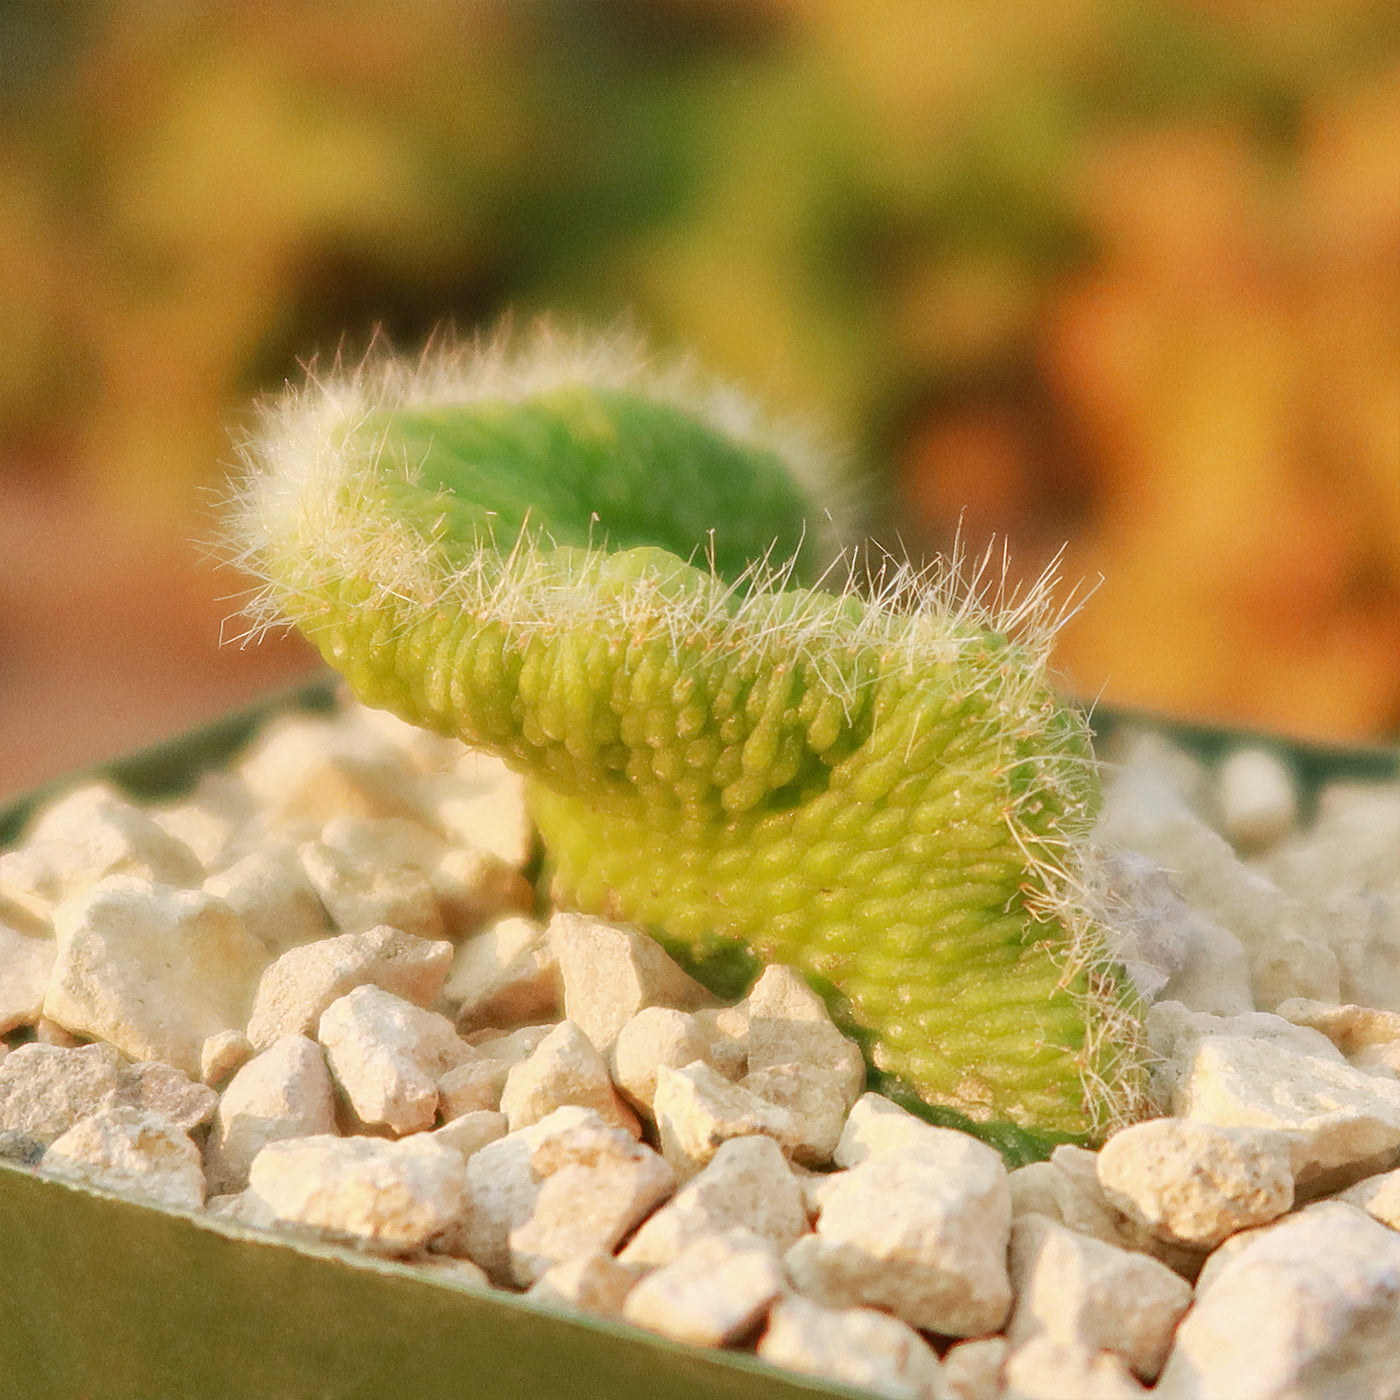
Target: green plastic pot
102	1298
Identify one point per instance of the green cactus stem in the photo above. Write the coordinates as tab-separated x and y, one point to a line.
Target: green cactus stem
613	580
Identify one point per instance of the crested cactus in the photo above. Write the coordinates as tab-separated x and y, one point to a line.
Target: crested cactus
615	581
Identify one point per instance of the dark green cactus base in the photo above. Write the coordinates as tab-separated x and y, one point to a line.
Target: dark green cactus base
887	799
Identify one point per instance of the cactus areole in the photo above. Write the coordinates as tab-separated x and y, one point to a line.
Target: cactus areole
613	579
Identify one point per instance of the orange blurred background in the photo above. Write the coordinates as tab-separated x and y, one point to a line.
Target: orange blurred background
1118	273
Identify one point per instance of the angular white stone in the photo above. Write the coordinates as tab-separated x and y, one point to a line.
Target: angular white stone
1196	1183
470	1132
474	1086
1256	797
473	887
1174	1032
596	1185
481	805
564	1069
46	1089
242	1208
509	1047
697	1109
361	895
501	1190
1350	1028
1084	1294
749	1183
1353	845
303	982
1042	1369
83	837
610	973
392	1196
270	893
151	969
25	962
921	1232
160	1088
504	976
388	1054
132	1152
305	770
285	1092
727	1029
1147	754
588	1283
222	1054
1381	1060
1343	1123
789	1023
1364	926
1306	1310
713	1292
1083	1206
877	1127
391	842
854	1346
1170	950
819	1097
213	821
419	750
1378	1196
656	1035
972	1370
1288	949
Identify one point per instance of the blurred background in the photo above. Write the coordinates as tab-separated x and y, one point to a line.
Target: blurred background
1118	273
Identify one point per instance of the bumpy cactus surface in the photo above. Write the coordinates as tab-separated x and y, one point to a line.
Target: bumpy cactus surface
613	581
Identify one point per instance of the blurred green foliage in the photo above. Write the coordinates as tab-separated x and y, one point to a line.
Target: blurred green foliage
868	213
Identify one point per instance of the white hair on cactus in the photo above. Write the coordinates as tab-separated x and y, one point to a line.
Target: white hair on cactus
307	510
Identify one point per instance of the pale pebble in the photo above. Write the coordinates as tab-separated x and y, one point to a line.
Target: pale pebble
697	1110
656	1035
360	896
1306	1309
852	1346
921	1232
1090	1296
470	1132
269	891
748	1183
1343	1124
391	1196
972	1369
132	1152
25	964
595	1283
1196	1183
387	1055
283	1092
609	973
596	1186
297	988
504	975
151	969
713	1292
789	1023
1043	1369
564	1068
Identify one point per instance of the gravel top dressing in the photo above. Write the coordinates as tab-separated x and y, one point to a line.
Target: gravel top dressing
318	997
688	928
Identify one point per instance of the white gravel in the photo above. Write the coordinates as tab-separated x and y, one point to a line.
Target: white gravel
337	936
